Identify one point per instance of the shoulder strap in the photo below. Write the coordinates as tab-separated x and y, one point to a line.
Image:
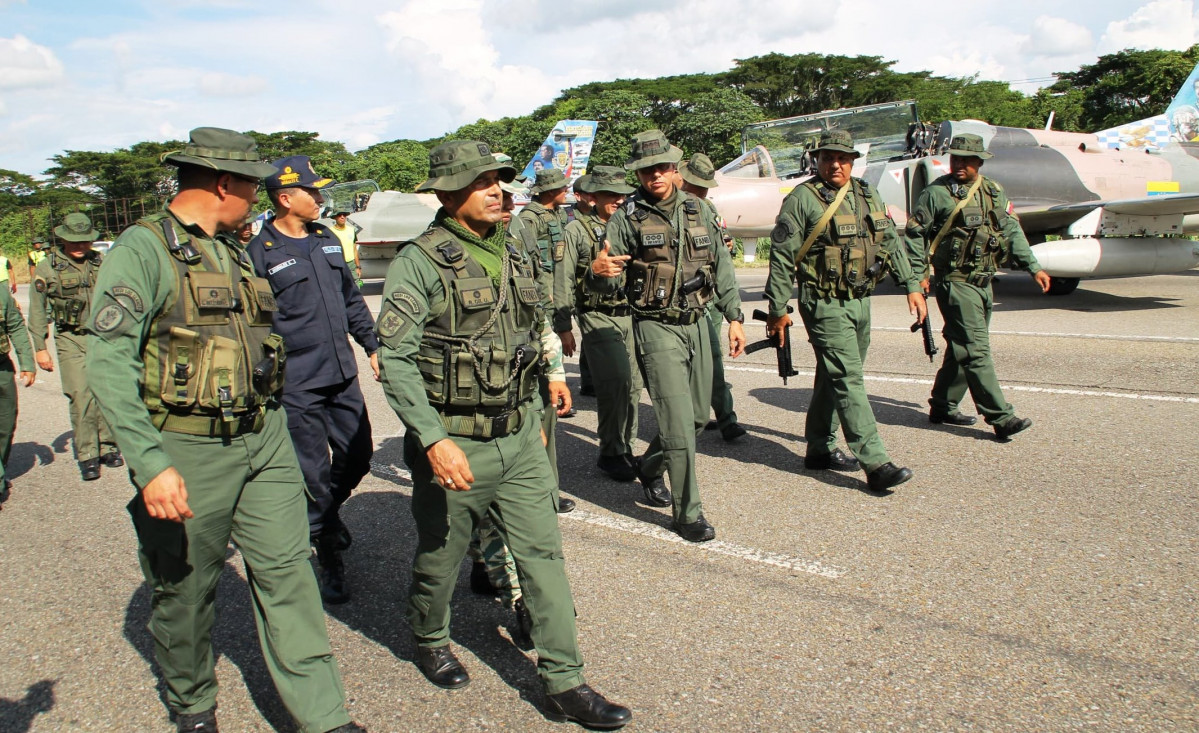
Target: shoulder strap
953	215
822	224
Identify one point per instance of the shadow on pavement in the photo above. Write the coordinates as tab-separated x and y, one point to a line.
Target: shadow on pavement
17	716
25	457
60	444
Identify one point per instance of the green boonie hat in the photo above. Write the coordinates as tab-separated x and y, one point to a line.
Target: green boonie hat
699	171
840	141
651	148
549	179
222	150
609	178
582	184
76	227
968	145
455	165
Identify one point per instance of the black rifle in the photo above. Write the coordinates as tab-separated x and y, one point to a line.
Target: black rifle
930	342
782	353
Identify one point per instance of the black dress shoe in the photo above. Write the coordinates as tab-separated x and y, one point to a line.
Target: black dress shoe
886	476
588	708
480	582
697	531
441	667
951	418
113	459
656	493
204	722
838	460
522	634
1013	425
565	506
732	432
89	470
617	468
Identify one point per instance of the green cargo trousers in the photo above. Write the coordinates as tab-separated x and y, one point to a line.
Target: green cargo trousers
248	488
512	484
549	423
966	310
8	414
92	436
839	331
677	364
722	393
608	347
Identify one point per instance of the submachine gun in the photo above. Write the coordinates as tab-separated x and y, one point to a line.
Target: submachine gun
782	353
926	330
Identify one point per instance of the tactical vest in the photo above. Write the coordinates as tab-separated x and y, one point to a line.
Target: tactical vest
478	358
547	220
210	353
671	275
587	299
847	259
975	246
69	289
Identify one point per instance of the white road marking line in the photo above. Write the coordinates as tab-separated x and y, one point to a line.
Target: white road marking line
650	530
1098	336
1006	387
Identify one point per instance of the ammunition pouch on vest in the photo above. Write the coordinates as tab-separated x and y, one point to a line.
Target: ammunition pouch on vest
672	270
211	360
848	259
69	292
479	357
975	247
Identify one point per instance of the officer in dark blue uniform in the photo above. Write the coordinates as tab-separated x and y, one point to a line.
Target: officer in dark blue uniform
318	306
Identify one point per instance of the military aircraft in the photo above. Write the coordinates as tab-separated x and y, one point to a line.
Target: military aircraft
1109	204
384	219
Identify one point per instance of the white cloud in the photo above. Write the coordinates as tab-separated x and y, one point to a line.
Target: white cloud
216	84
24	63
1168	24
1058	37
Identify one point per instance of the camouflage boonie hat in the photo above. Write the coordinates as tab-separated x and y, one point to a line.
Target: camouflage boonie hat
651	148
609	178
549	179
222	150
840	141
699	171
76	227
967	146
582	184
455	165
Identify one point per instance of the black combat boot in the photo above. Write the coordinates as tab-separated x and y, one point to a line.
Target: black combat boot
204	722
588	708
89	470
332	575
113	459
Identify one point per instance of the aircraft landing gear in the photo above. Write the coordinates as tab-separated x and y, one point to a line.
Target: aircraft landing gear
1063	285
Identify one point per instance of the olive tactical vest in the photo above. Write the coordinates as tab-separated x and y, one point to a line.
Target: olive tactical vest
211	352
672	270
587	299
975	245
482	350
847	259
547	220
69	289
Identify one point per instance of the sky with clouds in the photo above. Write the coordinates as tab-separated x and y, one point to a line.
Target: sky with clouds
88	75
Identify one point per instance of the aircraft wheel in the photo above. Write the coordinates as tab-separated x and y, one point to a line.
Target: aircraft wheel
1063	285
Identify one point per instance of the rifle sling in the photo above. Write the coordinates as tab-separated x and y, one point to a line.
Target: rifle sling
932	250
822	223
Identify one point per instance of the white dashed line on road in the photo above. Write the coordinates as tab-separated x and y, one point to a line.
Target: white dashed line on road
630	526
1096	336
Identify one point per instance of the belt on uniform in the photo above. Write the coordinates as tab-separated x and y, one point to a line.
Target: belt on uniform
210	427
616	311
482	423
682	318
977	279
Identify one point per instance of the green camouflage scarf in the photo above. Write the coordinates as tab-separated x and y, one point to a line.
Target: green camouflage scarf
487	252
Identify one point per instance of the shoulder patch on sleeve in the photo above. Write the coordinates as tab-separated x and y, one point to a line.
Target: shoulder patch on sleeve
401	312
39	285
127	297
784	229
108	318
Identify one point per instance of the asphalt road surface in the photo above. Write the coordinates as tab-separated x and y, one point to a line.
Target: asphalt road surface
1048	583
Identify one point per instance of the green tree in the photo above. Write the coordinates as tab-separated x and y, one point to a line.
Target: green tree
1127	86
712	124
399	165
328	158
135	172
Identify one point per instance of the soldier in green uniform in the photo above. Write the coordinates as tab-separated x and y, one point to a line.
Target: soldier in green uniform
676	265
606	322
965	227
13	337
62	293
189	372
834	237
584	204
697	175
459	327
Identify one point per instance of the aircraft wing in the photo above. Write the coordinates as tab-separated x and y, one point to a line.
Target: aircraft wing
1118	213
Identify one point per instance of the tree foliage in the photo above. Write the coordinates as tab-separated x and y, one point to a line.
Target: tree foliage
1126	86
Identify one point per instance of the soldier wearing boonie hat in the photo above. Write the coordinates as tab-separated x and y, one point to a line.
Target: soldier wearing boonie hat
189	372
834	237
463	298
319	309
962	228
678	266
61	294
